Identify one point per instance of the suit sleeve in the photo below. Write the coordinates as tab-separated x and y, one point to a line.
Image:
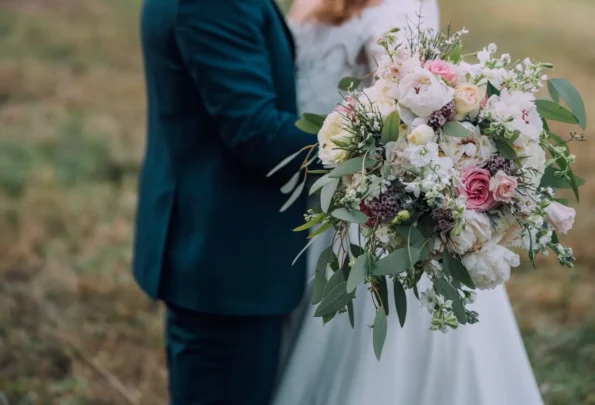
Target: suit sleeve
222	44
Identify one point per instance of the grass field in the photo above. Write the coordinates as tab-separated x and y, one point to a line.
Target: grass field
74	329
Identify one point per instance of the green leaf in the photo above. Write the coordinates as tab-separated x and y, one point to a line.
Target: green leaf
337	278
308	126
397	262
400	301
553	92
321	230
327	193
319	286
379	332
412	233
349	83
492	90
352	166
284	163
296	194
563	201
352	216
351	314
314	221
324	259
302	251
571	179
318	184
382	294
314	118
552	111
455	129
359	272
573	99
550	179
455	268
321	171
327	318
335	300
505	149
290	185
444	288
390	129
456	54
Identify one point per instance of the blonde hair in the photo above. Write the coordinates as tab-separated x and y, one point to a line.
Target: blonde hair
336	12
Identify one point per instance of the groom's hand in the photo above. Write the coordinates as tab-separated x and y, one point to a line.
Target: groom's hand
223	46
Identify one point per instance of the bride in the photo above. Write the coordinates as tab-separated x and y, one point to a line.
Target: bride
482	364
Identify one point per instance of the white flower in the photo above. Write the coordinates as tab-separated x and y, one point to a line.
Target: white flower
490	266
421	135
423	93
471	151
475	233
421	155
517	111
381	98
333	128
535	159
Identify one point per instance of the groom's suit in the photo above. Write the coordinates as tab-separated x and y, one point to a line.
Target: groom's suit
209	239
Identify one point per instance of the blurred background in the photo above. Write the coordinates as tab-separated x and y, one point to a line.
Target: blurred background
74	328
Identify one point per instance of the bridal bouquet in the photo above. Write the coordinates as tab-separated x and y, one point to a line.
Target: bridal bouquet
433	174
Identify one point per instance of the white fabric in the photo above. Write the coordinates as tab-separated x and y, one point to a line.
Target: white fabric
482	364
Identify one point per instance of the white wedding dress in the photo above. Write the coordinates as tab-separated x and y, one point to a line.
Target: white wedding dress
482	364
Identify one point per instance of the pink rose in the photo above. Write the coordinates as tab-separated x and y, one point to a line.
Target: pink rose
476	188
503	186
445	69
560	217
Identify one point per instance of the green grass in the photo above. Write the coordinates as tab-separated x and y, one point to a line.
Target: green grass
71	138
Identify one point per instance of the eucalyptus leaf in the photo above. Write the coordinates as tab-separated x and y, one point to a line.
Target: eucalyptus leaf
349	83
358	273
563	88
390	129
302	252
308	126
553	92
290	185
319	286
455	129
318	184
397	262
327	193
400	301
315	118
353	216
293	198
552	111
321	230
382	292
379	332
337	278
284	163
563	201
455	268
324	259
456	54
327	318
352	166
550	179
351	314
505	149
335	300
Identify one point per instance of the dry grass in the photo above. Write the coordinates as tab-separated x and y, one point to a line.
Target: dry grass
71	138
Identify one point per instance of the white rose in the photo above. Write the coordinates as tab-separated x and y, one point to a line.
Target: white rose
423	93
333	128
475	233
471	151
490	266
468	98
421	135
380	97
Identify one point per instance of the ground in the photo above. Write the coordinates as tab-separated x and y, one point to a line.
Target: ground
74	328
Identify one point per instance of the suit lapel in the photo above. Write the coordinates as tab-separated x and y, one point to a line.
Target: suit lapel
285	27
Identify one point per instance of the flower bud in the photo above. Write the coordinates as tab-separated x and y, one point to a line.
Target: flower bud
401	217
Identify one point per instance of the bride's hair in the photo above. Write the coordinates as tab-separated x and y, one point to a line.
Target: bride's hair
336	12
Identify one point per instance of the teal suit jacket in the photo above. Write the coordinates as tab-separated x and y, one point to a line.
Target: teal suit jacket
221	114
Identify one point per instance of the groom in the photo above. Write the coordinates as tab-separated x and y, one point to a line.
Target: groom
209	241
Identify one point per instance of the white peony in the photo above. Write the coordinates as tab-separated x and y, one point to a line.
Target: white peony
471	151
333	129
475	233
423	93
421	155
490	266
517	111
382	96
